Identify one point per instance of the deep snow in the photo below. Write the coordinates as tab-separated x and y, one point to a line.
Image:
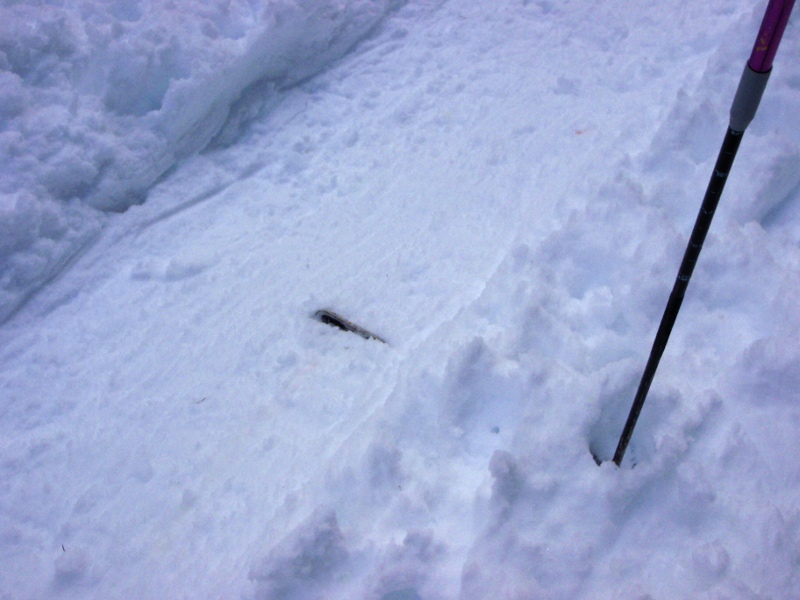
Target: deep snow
503	192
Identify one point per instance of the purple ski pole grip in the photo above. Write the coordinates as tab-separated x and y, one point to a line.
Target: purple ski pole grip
769	36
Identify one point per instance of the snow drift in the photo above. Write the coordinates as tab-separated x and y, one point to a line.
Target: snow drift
98	100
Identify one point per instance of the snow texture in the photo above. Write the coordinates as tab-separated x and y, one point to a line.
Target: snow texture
503	192
101	99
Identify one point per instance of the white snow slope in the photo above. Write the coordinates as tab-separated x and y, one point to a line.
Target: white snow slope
503	191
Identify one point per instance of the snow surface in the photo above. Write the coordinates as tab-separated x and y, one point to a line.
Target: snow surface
503	191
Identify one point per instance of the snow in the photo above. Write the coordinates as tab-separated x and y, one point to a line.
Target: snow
101	99
503	192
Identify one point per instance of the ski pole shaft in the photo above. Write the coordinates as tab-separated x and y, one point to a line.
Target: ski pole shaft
745	103
769	35
724	162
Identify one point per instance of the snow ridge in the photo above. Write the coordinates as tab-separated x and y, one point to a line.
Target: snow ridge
100	100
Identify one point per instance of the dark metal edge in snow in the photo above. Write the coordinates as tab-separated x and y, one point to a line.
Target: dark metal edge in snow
335	320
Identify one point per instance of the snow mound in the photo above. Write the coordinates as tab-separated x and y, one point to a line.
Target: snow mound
98	100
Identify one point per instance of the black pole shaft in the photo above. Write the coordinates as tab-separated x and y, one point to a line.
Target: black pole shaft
727	153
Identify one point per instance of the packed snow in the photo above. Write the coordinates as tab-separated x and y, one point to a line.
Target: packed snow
500	190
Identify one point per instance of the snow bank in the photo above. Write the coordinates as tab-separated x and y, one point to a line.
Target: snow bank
504	191
100	99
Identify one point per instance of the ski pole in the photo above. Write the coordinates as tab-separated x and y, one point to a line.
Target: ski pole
745	103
